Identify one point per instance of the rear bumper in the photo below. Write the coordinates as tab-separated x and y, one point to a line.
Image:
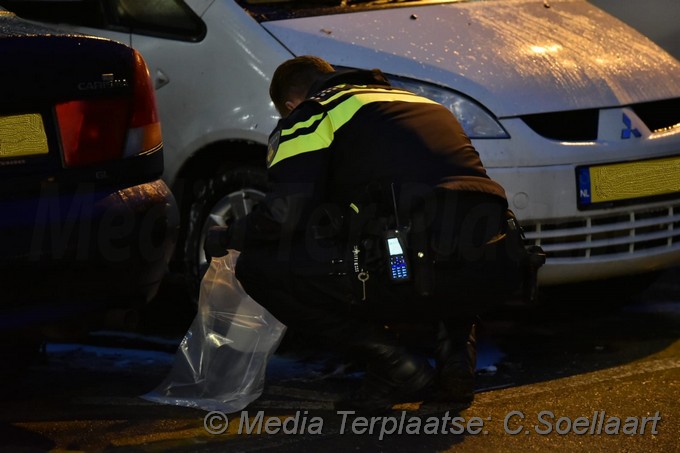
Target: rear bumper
89	246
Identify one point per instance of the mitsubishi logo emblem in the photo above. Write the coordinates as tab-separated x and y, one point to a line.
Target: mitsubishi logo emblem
629	130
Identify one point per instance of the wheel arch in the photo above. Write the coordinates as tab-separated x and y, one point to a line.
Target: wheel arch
205	163
214	156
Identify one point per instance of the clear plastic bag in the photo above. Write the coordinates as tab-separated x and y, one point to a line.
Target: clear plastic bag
221	362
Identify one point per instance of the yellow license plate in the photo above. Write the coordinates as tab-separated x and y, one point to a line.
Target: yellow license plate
22	135
627	181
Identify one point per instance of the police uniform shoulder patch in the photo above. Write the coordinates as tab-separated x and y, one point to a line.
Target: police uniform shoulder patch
273	147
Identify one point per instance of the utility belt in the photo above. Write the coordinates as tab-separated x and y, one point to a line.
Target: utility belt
376	248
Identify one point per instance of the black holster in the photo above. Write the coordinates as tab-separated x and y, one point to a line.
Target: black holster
531	258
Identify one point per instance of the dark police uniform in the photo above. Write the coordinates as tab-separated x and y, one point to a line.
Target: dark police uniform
356	157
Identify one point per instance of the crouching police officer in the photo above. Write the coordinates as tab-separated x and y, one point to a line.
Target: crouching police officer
380	211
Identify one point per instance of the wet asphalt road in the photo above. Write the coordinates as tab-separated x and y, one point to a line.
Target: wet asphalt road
568	378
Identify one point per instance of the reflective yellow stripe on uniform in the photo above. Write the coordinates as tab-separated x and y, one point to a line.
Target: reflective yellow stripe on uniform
329	122
320	138
343	90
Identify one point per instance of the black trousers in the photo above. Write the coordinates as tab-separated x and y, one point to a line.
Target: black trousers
296	282
303	293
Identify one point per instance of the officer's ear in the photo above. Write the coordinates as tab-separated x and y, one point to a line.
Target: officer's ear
289	108
291	103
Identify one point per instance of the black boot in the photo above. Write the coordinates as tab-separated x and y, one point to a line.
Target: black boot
393	375
456	358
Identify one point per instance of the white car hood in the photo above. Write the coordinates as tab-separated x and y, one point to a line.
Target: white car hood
514	56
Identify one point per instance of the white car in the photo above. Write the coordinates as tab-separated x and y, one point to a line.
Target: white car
574	112
659	20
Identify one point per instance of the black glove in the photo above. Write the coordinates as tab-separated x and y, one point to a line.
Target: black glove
216	242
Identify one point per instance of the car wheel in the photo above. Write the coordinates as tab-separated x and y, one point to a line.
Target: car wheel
221	199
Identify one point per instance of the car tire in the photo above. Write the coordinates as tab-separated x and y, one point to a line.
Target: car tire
220	199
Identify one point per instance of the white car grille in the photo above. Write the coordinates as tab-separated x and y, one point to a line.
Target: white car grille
609	235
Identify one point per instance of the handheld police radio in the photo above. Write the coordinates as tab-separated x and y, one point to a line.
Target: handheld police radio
398	264
395	244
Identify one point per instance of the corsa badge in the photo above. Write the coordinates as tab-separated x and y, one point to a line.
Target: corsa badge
273	147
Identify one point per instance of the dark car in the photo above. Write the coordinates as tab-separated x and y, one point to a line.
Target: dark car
87	226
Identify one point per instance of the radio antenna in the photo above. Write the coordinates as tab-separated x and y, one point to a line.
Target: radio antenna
394	203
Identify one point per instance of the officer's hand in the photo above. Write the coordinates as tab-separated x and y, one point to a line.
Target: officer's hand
216	242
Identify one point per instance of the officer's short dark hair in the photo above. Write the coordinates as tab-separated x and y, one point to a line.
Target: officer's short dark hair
295	77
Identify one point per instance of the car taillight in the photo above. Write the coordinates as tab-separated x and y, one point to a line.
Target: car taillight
93	131
99	130
144	134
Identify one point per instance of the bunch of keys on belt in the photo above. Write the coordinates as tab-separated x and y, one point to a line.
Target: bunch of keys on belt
363	277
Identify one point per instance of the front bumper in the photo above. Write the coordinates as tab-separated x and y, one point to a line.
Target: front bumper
592	244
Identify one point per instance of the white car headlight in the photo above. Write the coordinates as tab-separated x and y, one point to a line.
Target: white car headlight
476	121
